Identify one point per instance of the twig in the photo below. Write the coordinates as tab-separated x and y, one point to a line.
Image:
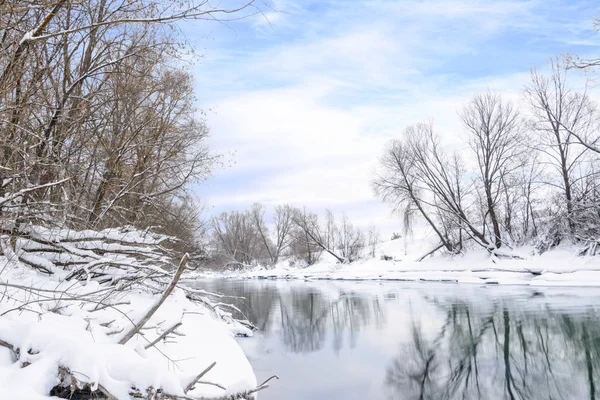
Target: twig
264	384
158	339
100	307
260	387
190	386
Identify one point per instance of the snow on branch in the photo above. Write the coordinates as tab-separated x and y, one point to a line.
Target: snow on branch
17	195
106	322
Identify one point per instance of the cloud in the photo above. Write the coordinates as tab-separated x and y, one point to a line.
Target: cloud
308	101
293	147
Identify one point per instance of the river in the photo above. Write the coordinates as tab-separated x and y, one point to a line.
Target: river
386	340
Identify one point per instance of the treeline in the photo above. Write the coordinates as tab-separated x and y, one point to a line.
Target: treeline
98	127
243	238
528	175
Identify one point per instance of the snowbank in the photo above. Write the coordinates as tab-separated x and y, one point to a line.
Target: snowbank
52	329
558	267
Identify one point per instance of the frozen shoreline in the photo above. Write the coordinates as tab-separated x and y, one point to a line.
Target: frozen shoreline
558	267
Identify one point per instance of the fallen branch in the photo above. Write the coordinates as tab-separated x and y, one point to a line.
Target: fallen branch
135	329
100	307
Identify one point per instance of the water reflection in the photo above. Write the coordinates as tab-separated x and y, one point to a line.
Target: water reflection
501	353
420	342
306	318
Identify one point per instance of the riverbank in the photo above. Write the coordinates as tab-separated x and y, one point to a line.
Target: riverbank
559	267
63	338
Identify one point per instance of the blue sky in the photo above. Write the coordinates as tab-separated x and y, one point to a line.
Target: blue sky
303	96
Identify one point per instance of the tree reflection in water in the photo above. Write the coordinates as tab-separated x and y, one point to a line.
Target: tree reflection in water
501	353
307	318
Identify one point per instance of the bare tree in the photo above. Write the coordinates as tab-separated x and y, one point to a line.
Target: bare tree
257	214
312	232
408	215
559	112
304	232
398	183
283	225
330	230
443	176
525	198
90	97
350	240
236	237
418	173
495	137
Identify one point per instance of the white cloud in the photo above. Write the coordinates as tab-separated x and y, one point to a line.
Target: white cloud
322	156
308	115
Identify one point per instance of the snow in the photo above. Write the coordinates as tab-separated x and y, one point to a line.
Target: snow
63	331
559	267
28	36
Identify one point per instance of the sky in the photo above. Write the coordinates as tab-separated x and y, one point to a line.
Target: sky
302	97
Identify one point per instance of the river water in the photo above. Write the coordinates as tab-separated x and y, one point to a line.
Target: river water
374	340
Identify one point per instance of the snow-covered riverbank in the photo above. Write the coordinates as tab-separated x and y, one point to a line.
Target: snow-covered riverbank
558	267
58	336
